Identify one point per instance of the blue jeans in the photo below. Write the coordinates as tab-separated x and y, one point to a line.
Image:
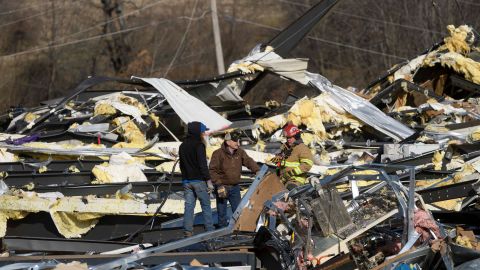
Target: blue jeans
233	196
194	190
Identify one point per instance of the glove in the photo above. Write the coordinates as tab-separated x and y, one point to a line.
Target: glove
222	192
287	174
210	186
276	159
290	173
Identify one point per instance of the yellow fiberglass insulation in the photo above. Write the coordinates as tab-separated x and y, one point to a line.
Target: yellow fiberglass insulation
307	113
461	64
130	131
103	108
475	135
324	157
271	124
245	67
6	215
73	225
121	168
332	112
73	126
260	146
71	266
437	159
30	117
312	113
450	205
133	102
73	169
468	169
124	196
63	145
156	119
272	104
42	169
6	156
167	167
464	241
101	176
459	40
29	186
210	149
308	138
360	183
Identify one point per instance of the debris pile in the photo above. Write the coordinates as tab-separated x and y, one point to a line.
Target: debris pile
394	182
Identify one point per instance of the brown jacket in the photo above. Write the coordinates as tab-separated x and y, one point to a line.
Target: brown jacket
226	168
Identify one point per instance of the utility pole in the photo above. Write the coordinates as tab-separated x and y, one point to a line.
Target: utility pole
217	38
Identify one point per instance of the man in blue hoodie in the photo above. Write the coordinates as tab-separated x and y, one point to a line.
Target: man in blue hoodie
195	176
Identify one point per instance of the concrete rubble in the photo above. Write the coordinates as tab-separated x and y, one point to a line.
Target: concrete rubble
92	180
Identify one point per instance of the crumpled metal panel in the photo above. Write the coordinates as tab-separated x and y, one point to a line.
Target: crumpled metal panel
361	108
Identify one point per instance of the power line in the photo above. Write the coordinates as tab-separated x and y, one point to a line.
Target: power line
78	41
182	40
111	20
20	9
26	18
325	40
368	19
469	3
356	48
56	44
184	63
38	49
387	22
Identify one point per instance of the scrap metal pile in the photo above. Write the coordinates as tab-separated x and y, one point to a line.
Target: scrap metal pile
92	180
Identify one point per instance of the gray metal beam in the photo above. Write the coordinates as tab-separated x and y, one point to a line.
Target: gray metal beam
190	240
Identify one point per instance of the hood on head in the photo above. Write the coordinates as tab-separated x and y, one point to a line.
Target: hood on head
195	129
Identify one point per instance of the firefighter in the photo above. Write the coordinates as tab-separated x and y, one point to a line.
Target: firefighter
294	160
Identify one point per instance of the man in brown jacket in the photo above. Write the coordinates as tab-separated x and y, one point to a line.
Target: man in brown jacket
225	171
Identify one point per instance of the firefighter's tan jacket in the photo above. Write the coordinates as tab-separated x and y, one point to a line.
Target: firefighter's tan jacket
296	165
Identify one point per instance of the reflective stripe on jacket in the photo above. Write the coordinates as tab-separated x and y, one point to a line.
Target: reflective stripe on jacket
297	164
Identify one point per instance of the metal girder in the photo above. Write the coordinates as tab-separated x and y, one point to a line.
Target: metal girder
471	87
108	189
194	239
399	86
285	41
54	165
289	38
230	257
464	217
409	256
83	86
60	245
52	178
79	184
453	191
108	228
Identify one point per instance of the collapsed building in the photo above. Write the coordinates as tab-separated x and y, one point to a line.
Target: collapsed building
92	180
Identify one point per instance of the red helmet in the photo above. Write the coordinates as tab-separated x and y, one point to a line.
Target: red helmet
290	130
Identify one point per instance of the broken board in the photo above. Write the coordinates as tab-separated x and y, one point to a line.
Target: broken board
269	186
